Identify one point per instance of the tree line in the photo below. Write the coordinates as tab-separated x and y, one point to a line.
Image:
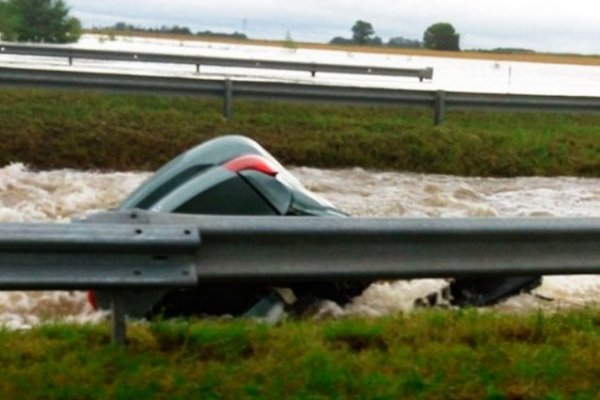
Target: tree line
439	36
121	27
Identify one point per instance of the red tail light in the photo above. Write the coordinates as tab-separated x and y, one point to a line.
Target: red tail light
91	297
251	161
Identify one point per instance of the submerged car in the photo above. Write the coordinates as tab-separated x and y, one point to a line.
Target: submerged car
234	175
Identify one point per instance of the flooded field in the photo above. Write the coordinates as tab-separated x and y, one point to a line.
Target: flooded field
450	74
28	196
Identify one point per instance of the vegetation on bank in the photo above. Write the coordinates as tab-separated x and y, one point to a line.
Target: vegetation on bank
431	354
45	21
54	129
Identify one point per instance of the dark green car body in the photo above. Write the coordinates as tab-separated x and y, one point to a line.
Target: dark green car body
234	175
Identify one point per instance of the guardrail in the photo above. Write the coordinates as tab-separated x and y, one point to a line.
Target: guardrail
227	90
97	256
120	251
112	55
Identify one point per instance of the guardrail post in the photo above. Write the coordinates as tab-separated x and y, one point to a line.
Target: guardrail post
197	68
118	324
228	99
439	107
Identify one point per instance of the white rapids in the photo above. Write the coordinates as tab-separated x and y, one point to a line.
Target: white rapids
31	196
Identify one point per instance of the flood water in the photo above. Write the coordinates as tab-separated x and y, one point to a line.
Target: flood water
450	74
32	196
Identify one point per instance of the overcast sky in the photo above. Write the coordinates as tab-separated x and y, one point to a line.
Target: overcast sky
543	25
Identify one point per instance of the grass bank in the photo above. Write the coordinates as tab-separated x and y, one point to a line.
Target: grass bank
433	354
52	129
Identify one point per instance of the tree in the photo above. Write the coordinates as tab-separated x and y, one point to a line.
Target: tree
9	22
341	41
288	42
180	30
362	32
441	36
400	41
122	26
375	41
44	21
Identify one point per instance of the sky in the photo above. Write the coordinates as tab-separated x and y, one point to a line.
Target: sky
541	25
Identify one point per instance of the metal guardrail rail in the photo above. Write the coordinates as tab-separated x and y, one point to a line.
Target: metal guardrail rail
98	256
276	248
439	101
75	256
120	251
112	55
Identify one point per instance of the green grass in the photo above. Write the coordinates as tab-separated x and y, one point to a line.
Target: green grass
53	129
432	354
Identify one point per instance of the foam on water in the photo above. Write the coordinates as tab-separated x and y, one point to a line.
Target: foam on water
29	196
391	194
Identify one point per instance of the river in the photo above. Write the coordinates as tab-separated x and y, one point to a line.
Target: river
57	195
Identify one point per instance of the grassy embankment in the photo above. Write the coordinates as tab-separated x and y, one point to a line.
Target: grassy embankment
49	129
442	354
